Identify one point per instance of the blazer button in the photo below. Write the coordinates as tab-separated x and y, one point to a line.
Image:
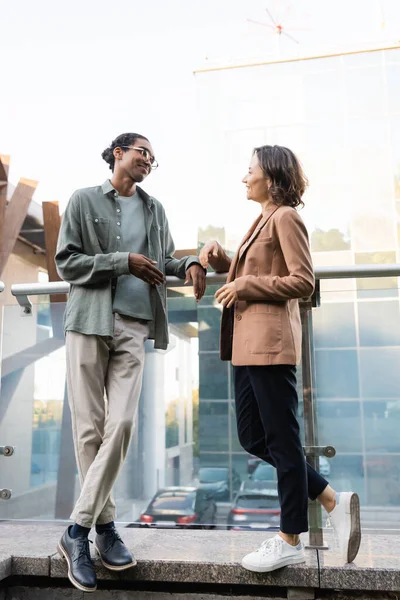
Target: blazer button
239	317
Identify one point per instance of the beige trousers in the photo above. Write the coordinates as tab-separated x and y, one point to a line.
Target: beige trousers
102	430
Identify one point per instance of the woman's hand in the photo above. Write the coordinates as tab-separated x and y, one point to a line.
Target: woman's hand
227	295
211	249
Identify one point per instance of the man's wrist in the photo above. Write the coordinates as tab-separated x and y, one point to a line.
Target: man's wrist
195	262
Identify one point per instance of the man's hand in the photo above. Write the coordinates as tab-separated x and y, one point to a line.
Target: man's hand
196	274
227	295
211	249
143	268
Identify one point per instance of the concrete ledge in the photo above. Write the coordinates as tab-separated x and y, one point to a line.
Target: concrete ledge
5	566
198	557
203	557
377	566
32	593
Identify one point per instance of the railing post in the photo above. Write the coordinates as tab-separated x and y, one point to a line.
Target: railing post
6	451
316	539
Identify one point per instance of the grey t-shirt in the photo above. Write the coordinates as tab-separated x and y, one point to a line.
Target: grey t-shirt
132	296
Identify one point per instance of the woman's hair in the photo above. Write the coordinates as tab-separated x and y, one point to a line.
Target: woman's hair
125	139
282	167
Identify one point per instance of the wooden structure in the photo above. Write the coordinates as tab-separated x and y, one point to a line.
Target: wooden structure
22	222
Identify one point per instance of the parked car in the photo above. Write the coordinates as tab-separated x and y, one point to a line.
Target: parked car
255	510
217	481
263	477
254	463
182	507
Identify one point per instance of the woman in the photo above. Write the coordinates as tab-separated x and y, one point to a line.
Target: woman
261	334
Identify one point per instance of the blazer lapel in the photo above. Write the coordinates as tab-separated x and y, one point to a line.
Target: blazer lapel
248	239
235	259
257	230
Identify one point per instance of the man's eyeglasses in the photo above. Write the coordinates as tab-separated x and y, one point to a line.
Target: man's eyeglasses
146	155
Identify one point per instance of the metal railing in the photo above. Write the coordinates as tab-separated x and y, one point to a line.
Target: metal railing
313	451
22	291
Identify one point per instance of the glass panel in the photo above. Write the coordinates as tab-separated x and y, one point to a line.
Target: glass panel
185	435
323	98
358	390
363	59
213	426
365	90
379	286
31	412
393	76
392	56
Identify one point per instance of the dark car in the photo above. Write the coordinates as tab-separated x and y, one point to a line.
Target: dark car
253	462
217	481
263	477
180	507
255	510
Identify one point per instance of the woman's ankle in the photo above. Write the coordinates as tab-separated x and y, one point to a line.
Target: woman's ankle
328	499
291	538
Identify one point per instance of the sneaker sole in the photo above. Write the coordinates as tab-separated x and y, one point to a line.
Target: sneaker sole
283	563
355	528
64	554
111	567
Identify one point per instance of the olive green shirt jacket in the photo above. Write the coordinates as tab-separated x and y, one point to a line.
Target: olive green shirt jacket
88	257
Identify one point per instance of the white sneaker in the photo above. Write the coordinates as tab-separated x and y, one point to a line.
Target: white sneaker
273	554
345	520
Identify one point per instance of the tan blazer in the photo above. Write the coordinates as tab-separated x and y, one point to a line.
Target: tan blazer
272	269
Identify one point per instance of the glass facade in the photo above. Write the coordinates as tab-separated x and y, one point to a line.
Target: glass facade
341	116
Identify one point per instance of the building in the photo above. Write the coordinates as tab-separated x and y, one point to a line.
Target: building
340	113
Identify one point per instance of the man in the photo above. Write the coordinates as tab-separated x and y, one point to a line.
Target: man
115	249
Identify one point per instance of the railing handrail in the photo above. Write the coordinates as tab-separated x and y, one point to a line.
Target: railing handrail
342	272
357	271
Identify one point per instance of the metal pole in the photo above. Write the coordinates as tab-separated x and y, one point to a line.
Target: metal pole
316	539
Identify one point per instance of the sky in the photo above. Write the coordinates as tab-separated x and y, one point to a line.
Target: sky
76	74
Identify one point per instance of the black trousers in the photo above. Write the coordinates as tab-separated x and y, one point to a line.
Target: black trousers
266	407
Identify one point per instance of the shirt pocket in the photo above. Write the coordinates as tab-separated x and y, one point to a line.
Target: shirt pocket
158	243
98	229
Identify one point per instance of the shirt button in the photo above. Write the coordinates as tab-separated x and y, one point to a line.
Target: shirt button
118	223
118	210
118	237
239	317
96	220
